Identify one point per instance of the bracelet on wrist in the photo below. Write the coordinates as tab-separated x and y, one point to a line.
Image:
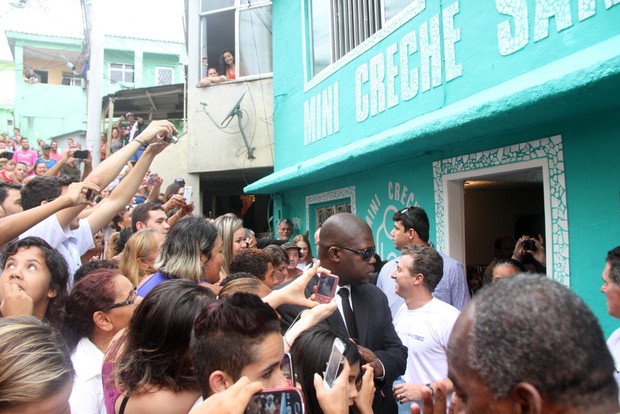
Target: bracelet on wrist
139	142
432	390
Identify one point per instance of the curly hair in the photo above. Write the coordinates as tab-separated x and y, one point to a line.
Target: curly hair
59	272
254	261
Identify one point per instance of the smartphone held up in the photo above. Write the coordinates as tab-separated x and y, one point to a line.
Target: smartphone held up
334	365
326	288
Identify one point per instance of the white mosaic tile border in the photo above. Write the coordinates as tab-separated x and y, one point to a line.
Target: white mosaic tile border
549	149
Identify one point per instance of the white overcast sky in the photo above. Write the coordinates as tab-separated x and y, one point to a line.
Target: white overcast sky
150	19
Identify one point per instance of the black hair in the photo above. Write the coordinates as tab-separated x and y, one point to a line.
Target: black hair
310	353
141	212
59	273
91	266
415	218
4	189
225	333
157	339
45	188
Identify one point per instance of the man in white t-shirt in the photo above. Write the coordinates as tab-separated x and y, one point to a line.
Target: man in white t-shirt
411	227
69	233
611	290
423	323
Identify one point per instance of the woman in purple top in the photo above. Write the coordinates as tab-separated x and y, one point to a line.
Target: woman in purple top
192	250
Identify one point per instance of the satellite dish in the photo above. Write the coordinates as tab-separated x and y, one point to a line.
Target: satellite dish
236	111
233	111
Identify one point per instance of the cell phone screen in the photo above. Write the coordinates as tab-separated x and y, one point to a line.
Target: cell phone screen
277	401
287	368
81	154
326	285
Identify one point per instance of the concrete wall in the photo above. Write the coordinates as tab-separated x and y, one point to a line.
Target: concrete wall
213	147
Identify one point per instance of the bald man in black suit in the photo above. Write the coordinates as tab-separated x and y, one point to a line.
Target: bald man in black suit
346	248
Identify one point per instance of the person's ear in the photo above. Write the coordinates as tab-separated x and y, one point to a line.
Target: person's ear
102	321
527	399
140	225
334	253
411	234
219	381
52	292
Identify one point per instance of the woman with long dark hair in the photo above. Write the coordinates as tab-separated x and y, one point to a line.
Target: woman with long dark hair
150	365
227	65
310	353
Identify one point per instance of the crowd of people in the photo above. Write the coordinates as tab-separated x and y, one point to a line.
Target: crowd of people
119	298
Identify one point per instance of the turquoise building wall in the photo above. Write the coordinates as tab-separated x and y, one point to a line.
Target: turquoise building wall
508	75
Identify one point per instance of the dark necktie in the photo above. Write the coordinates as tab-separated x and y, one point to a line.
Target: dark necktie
349	317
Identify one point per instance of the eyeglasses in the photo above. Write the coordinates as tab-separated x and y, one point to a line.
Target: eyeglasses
130	301
367	253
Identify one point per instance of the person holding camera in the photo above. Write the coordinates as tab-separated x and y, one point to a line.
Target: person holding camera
530	252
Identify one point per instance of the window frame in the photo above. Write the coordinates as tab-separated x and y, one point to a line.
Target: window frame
159	69
238	6
387	27
123	70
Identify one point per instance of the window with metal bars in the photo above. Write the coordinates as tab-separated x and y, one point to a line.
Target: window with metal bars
353	22
164	76
338	26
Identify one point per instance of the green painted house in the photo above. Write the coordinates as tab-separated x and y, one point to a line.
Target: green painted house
55	102
498	118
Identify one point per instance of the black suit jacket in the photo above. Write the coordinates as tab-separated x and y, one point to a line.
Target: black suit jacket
375	330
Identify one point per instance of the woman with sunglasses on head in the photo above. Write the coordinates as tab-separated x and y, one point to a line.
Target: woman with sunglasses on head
99	306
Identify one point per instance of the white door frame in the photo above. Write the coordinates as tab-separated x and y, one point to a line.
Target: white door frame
546	153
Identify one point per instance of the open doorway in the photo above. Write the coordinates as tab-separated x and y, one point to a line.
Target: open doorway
501	206
530	170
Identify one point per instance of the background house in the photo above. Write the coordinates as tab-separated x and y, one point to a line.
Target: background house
55	103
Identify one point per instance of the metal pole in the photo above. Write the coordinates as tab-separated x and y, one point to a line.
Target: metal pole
95	79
